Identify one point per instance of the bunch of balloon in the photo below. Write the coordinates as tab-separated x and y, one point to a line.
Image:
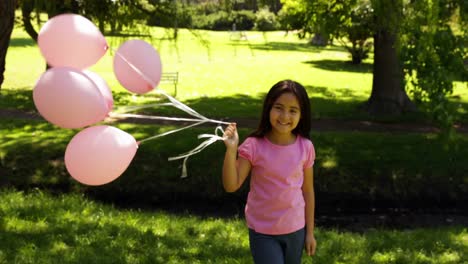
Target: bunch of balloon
70	96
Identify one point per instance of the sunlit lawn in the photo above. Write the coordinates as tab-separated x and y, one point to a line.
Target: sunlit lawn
224	67
220	74
37	227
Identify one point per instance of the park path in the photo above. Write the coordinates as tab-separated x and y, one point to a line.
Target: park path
319	125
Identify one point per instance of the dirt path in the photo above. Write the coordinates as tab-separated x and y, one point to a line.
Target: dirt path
320	125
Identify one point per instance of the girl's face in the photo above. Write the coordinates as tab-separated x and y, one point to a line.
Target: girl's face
285	114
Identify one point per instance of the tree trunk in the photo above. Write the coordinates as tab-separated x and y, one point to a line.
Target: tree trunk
388	96
176	26
7	20
27	8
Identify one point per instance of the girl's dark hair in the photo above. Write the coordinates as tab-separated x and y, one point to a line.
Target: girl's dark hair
281	87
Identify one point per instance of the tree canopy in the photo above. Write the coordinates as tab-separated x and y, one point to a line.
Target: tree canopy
415	46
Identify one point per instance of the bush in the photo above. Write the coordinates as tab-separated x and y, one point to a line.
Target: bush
266	20
244	19
222	20
215	21
291	17
166	14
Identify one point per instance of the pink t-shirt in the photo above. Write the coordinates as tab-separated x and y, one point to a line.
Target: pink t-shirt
275	204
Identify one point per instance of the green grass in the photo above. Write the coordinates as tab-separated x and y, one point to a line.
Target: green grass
229	76
401	170
38	227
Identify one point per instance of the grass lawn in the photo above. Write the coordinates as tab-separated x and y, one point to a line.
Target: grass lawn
38	227
224	78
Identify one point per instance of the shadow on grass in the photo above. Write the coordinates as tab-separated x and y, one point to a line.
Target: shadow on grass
355	171
22	42
337	65
32	154
392	171
41	228
324	92
20	99
76	230
378	246
129	34
338	103
325	103
288	46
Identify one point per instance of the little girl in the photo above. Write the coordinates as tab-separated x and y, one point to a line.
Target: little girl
279	157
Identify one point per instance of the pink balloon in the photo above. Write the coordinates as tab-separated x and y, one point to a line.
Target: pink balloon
71	40
137	66
103	88
68	98
100	154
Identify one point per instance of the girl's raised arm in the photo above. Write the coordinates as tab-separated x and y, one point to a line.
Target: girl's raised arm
234	171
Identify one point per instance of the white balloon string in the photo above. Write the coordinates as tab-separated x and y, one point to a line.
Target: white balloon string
118	115
218	122
199	148
127	109
212	138
184	169
176	103
182	106
190	111
171	131
153	85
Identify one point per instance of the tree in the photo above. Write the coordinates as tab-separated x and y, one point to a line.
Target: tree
357	32
348	21
408	36
416	50
7	20
388	95
114	14
434	54
52	8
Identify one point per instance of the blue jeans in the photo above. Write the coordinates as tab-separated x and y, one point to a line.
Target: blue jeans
277	249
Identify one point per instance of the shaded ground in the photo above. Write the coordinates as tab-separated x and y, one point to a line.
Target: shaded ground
318	125
400	219
362	222
358	222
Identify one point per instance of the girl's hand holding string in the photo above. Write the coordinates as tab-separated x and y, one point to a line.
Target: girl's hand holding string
231	180
231	137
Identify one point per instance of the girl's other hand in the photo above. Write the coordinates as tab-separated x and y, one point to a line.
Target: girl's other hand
310	244
231	137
